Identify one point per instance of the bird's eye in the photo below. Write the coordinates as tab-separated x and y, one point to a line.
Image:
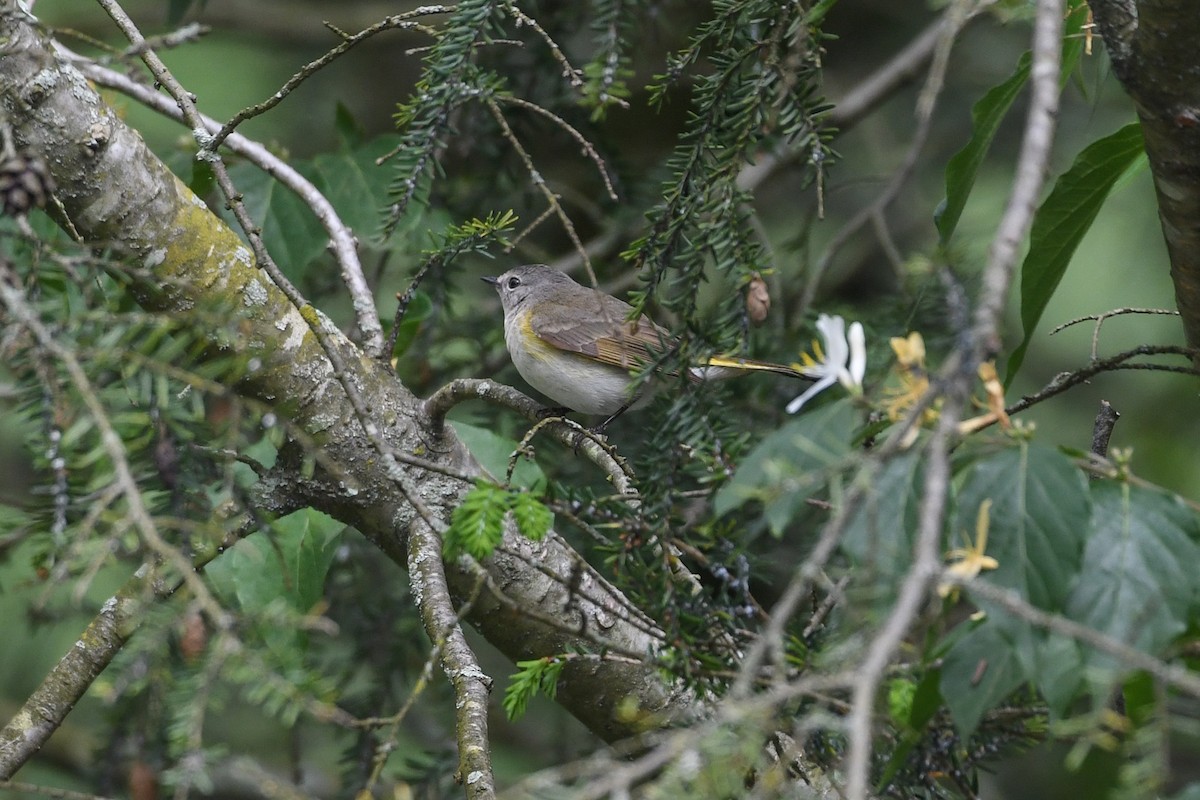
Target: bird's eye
514	282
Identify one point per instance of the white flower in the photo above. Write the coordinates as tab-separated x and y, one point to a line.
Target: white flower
843	361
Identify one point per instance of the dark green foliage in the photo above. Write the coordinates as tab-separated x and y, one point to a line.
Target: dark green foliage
760	90
450	79
606	73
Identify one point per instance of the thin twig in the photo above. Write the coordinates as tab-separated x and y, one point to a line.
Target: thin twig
1100	318
574	76
540	183
1008	599
913	594
588	148
396	21
1065	381
566	432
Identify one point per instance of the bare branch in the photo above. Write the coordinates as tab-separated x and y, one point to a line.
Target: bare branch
471	684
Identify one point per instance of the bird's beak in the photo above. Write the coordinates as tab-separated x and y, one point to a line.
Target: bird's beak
490	279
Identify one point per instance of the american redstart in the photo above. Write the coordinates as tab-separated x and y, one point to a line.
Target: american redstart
578	347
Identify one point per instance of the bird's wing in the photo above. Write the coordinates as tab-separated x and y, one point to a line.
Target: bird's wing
607	336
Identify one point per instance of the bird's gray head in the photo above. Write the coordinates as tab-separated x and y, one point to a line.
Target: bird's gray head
519	284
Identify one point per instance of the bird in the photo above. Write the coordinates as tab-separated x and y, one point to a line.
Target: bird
578	346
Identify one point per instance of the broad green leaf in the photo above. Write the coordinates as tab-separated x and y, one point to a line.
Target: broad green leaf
963	167
290	232
879	535
493	452
417	312
1137	582
978	673
1039	500
355	184
292	564
986	116
1063	219
791	464
1057	668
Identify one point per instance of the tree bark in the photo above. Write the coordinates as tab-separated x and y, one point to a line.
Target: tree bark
1152	44
117	194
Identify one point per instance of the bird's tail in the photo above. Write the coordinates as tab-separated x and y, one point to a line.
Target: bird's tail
721	367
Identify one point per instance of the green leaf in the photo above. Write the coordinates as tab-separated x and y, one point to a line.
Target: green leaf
350	133
1137	580
532	517
477	525
290	232
1039	500
1056	667
1063	219
355	184
963	167
493	451
978	673
291	565
986	116
879	535
791	464
417	312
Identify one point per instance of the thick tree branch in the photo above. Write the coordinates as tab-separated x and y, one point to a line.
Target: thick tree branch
1153	50
114	191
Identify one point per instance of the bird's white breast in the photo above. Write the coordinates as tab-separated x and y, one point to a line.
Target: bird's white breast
569	379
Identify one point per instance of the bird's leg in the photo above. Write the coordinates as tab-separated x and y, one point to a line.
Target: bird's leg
553	411
599	429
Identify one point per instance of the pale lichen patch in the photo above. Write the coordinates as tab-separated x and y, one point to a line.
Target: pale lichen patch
294	324
254	293
155	257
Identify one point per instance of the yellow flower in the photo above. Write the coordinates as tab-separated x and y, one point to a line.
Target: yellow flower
910	351
995	402
968	562
914	378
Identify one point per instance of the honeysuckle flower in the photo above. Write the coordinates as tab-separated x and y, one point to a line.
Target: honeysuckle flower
843	359
914	378
995	402
969	561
